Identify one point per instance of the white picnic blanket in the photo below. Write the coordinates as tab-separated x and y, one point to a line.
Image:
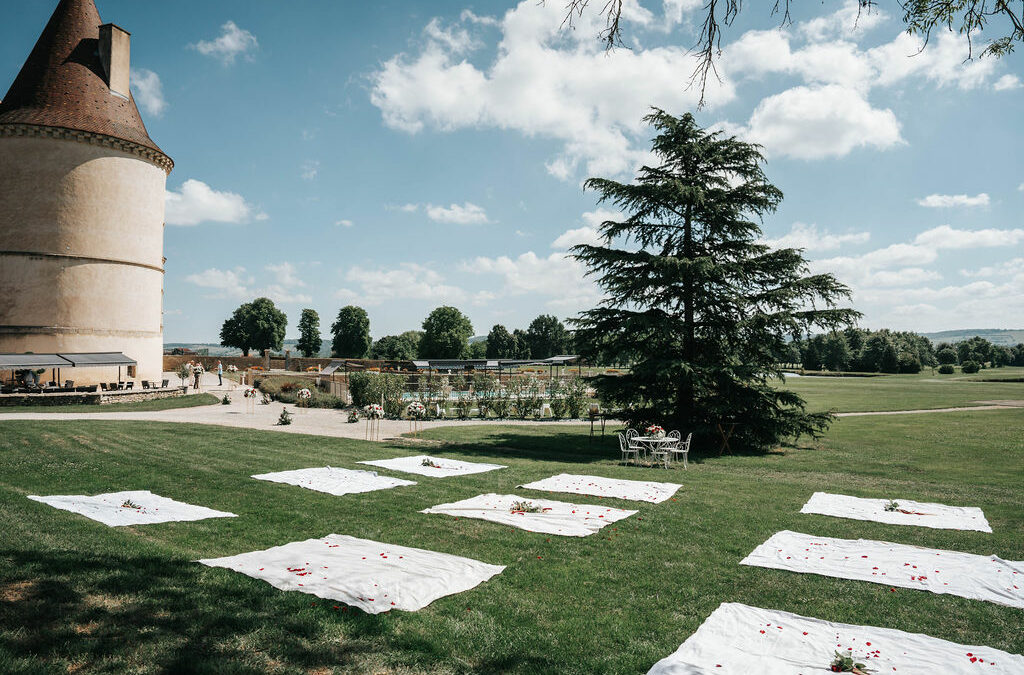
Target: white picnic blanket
637	490
924	514
979	577
119	508
443	467
335	481
367	574
742	639
562	518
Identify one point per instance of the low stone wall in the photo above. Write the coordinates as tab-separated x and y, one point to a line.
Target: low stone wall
89	398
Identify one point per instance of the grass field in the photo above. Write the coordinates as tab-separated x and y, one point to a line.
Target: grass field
907	392
77	596
190	401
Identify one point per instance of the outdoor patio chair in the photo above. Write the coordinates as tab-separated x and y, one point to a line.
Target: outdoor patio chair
69	384
112	386
631	436
103	386
145	384
129	385
682	448
627	449
165	383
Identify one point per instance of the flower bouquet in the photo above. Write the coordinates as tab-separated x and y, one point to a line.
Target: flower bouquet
353	416
232	369
304	394
655	431
844	663
429	462
250	393
526	507
129	504
893	506
416	410
374	411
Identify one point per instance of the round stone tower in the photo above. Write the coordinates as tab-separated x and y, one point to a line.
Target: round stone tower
81	202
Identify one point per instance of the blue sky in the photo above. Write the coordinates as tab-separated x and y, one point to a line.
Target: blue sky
402	155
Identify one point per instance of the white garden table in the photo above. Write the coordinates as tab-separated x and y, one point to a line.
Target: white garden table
652	442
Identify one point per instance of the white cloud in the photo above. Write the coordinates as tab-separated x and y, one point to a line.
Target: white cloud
404	208
946	201
945	236
197	202
809	238
546	82
580	235
847	22
1010	268
464	214
1007	82
232	43
407	281
148	91
238	284
590	233
310	170
819	122
344	222
558	277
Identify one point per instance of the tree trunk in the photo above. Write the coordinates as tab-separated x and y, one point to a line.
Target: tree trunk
689	330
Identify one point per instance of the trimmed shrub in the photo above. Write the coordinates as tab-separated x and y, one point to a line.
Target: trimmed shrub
946	369
970	367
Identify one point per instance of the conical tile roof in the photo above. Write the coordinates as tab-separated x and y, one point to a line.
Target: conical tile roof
63	83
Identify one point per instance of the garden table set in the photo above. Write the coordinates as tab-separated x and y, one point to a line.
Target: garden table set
659	447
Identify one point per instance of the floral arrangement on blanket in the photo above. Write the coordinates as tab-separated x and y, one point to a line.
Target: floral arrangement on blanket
129	504
416	410
429	462
374	411
655	431
893	506
844	663
526	507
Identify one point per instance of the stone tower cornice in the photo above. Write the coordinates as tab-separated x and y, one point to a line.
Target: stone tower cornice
102	140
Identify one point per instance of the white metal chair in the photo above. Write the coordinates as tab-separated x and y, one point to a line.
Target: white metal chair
682	448
627	449
631	436
662	454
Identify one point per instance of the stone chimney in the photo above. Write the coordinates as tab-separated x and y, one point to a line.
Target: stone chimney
115	53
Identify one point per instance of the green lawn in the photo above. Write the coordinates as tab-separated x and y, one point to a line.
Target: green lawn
190	401
907	392
78	596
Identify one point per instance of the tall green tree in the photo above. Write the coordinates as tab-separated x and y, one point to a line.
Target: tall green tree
477	350
351	331
395	347
500	343
235	330
309	333
446	333
521	344
547	337
693	301
836	352
267	326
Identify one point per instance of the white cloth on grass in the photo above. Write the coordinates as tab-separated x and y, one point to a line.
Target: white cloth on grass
367	574
924	514
335	481
979	577
562	518
636	490
112	509
448	467
741	639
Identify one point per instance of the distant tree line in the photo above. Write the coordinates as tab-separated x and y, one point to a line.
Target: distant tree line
445	334
886	351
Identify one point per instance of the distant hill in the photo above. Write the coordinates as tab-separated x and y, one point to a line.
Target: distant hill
997	336
214	349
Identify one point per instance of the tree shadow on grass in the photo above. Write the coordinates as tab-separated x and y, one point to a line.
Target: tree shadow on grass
64	610
557	446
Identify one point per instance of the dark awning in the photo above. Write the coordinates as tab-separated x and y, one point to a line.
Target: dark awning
99	359
332	367
26	361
